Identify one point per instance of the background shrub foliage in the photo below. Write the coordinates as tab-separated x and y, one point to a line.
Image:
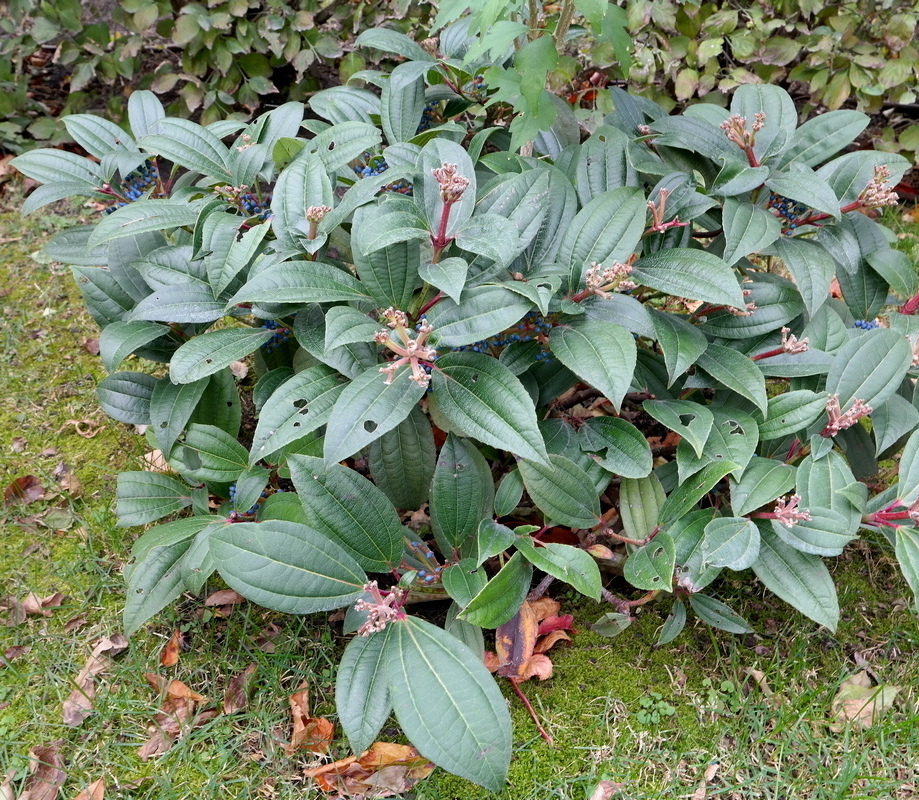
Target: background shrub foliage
463	356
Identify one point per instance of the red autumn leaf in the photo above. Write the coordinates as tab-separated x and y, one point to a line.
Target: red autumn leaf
236	697
24	490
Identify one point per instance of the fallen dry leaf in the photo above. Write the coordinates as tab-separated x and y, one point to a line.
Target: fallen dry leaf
309	733
236	697
605	790
173	688
18	444
17	650
224	597
521	642
266	636
95	791
46	773
6	788
382	771
178	714
75	623
83	428
80	701
24	490
170	655
860	702
157	461
91	346
42	606
708	776
773	699
67	480
15	613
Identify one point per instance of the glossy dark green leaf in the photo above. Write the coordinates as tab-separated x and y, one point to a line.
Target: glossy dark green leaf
869	367
733	437
153	582
464	580
747	229
681	342
691	490
462	493
790	412
674	624
402	461
207	453
640	503
694	274
502	596
120	339
484	312
300	282
907	552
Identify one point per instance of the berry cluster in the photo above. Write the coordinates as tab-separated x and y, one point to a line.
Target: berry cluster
371	165
866	325
258	502
432	576
533	327
791	211
429	116
252	206
136	185
282	335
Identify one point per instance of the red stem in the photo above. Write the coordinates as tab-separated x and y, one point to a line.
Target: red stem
529	708
431	303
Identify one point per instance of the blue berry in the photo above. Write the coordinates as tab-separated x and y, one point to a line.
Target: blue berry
866	325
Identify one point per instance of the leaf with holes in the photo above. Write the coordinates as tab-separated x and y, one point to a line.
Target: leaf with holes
691	420
651	567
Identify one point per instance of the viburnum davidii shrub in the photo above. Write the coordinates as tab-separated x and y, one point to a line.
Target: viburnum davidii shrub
461	359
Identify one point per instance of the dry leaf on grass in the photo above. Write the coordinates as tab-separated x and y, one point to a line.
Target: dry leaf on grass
156	461
384	770
701	791
605	790
91	346
522	642
18	444
42	606
23	490
309	733
6	788
860	702
177	716
80	702
66	480
236	697
46	773
95	791
170	655
773	699
224	597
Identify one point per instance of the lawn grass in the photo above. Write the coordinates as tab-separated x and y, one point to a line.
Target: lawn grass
766	747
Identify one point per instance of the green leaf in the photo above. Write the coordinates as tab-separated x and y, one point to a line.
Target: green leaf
347	508
302	184
627	451
170	533
484	312
299	282
735	371
509	494
120	339
351	360
470	733
436	153
717	614
145	112
96	135
171	407
603	164
153	582
569	564
812	268
651	567
462	493
823	136
674	624
791	412
906	548
464	580
681	342
869	367
892	421
780	115
763	481
389	275
826	533
733	437
807	187
402	100
693	489
211	352
367	408
493	539
191	146
389	41
731	542
449	276
491	236
286	567
470	635
484	399
402	461
692	421
208	453
297	407
190	301
747	229
908	487
562	491
640	502
125	396
849	174
694	274
51	166
693	573
502	596
142	216
362	698
612	624
897	269
801	580
599	353
607	229
144	497
343	142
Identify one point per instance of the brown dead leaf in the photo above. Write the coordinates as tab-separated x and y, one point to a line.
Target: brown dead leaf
95	791
83	428
24	490
382	771
156	461
6	788
17	650
236	697
266	636
773	699
224	597
79	703
178	715
174	689
708	776
170	655
521	643
74	623
860	702
67	481
91	346
41	606
15	613
18	444
606	789
46	773
309	733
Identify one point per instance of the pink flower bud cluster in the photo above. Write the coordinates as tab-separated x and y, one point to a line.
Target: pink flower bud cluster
839	421
451	185
380	609
787	512
735	128
792	344
878	192
601	280
412	351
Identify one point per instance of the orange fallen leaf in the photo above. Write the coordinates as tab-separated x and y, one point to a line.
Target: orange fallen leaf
382	771
175	689
177	716
170	655
95	791
237	694
309	733
46	773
